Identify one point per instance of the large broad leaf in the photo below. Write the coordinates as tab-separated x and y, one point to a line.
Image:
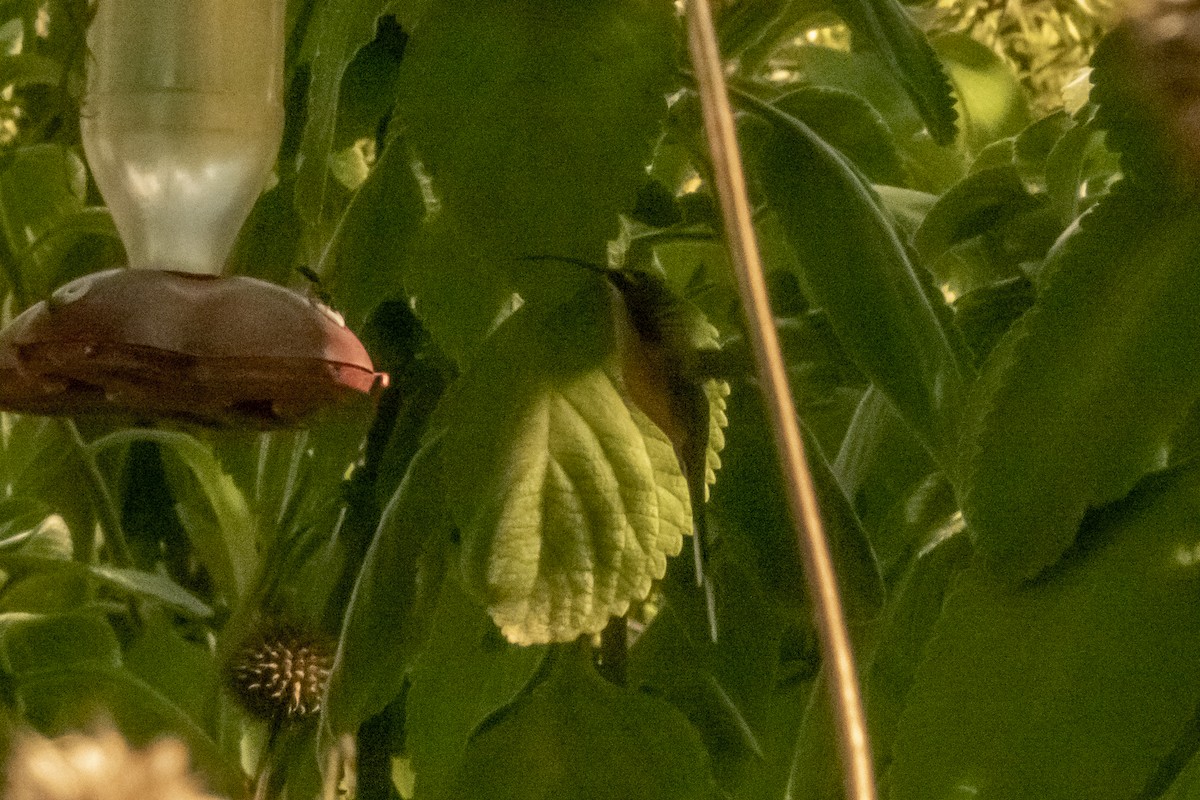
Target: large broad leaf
854	267
1079	399
900	43
466	673
568	500
577	737
1075	686
534	122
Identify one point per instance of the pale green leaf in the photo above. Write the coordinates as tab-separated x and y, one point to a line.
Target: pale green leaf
569	502
991	102
151	585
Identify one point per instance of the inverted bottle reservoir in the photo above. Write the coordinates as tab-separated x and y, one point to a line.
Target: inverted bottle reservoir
182	122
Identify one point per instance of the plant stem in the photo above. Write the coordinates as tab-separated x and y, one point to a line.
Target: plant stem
736	214
106	507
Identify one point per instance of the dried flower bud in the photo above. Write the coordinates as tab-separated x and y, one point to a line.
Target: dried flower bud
281	672
99	767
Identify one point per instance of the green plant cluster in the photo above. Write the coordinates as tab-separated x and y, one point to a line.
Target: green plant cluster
988	317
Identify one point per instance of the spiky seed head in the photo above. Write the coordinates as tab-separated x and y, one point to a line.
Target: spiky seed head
281	672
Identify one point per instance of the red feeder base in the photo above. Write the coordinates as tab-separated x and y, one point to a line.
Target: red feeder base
222	351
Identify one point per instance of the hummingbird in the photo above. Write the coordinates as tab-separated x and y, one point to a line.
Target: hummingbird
667	354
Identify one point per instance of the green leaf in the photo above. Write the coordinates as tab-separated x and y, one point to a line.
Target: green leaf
30	69
48	546
750	498
56	244
1033	146
914	608
227	546
742	25
343	27
991	101
725	688
465	674
33	643
48	541
851	125
185	672
891	32
534	122
1075	686
1186	785
577	737
980	202
1079	169
1138	124
985	314
362	267
569	501
1082	395
383	628
40	185
855	268
151	585
879	467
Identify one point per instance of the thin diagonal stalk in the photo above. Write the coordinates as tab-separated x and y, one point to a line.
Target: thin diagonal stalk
838	655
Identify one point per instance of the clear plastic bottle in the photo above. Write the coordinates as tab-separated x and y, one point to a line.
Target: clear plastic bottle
182	121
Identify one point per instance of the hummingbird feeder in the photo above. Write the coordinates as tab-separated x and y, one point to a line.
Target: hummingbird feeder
181	124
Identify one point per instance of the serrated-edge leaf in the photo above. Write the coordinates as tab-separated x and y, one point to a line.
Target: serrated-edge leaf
1080	396
892	32
1074	686
972	206
568	510
588	479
